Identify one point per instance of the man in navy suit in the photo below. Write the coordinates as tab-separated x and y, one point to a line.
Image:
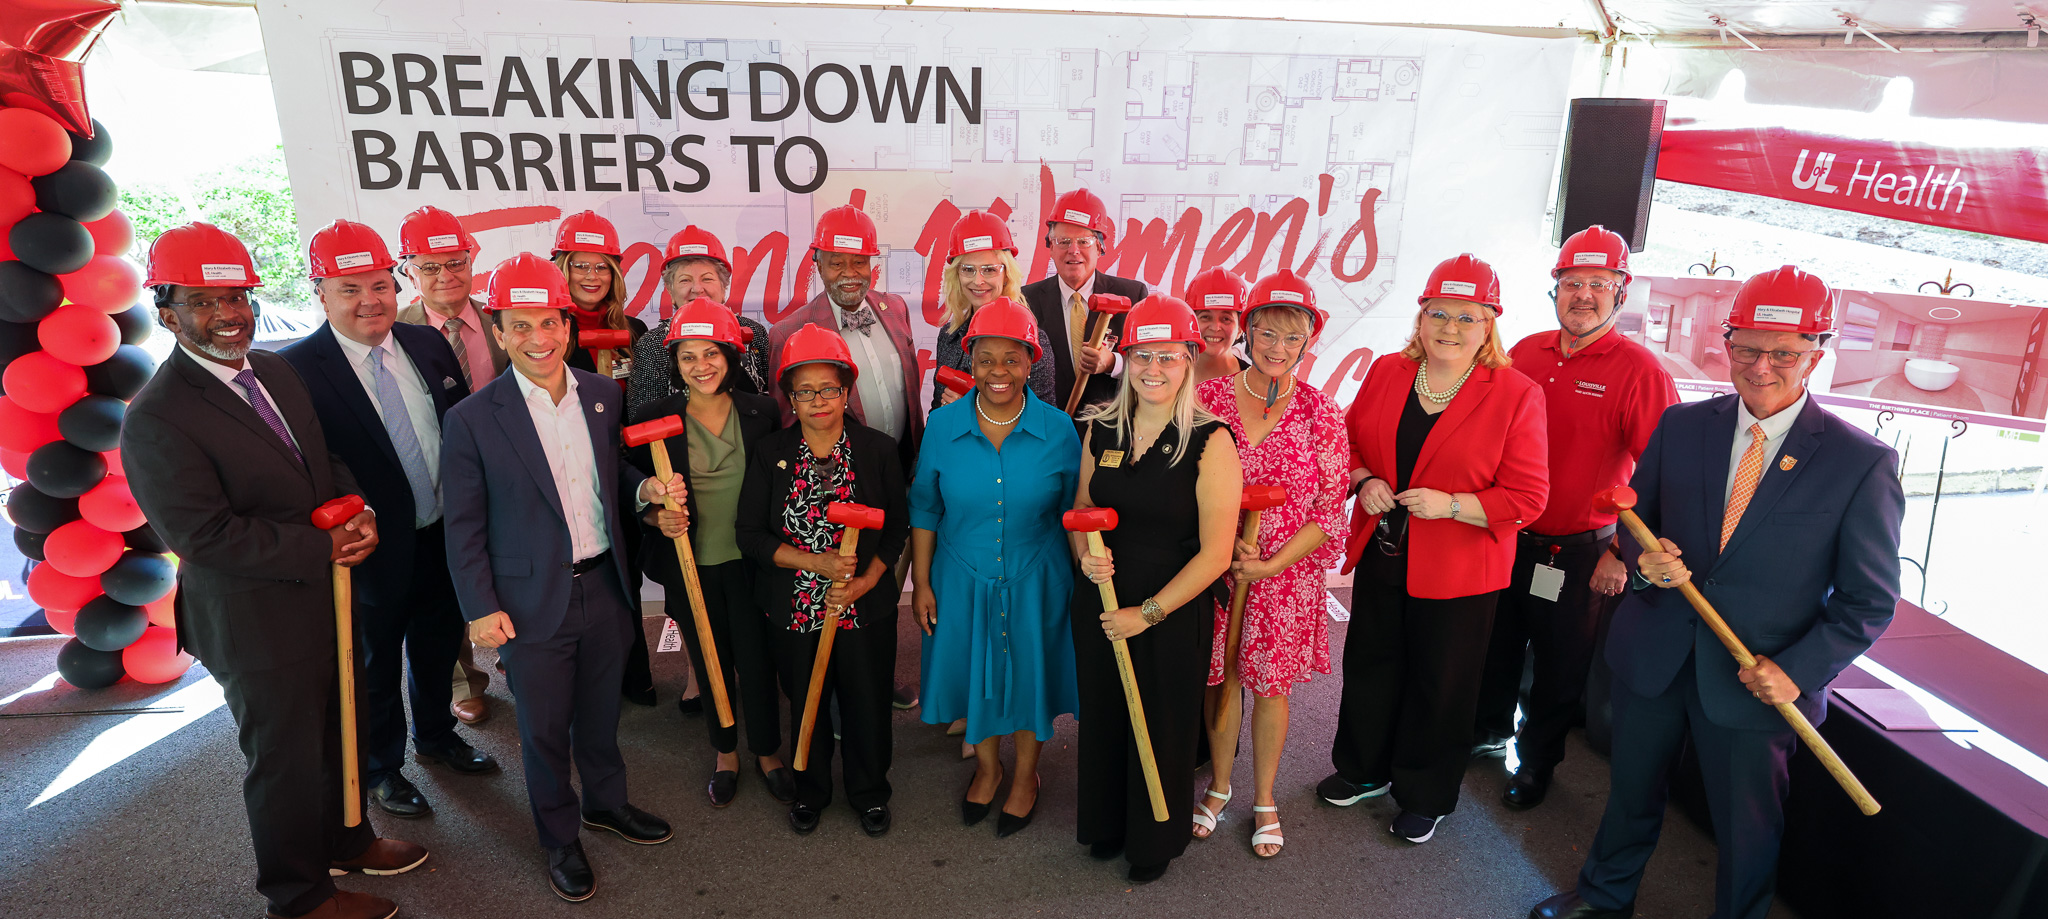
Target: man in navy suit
380	390
533	479
1791	518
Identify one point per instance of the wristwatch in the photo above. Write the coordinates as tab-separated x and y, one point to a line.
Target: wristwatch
1454	506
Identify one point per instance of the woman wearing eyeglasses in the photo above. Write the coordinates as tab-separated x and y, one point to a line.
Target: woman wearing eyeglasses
1449	462
1291	436
981	265
793	475
1170	471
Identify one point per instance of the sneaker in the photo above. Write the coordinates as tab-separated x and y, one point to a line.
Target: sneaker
1344	793
1414	827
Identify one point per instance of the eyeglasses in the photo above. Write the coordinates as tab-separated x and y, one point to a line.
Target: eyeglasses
1595	286
1743	354
1163	359
1445	319
1073	242
1268	338
209	304
1389	537
591	267
829	393
990	272
434	269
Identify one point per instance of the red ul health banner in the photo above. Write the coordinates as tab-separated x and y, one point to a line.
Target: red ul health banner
2002	191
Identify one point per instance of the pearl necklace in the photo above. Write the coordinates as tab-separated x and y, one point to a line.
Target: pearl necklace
985	417
1422	383
1244	379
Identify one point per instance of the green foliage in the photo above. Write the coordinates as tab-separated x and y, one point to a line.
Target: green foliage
251	200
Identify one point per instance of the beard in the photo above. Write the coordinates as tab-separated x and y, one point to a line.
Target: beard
226	352
845	300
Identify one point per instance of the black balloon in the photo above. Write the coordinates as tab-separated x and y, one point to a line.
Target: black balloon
61	470
86	668
78	190
136	323
51	243
93	423
96	149
107	624
27	295
144	538
31	509
138	578
29	543
120	376
17	339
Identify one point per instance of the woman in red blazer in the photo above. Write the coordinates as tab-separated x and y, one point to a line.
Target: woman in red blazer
1449	460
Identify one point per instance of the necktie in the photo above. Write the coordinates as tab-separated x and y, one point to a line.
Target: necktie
453	329
1077	324
404	440
1747	473
860	320
247	380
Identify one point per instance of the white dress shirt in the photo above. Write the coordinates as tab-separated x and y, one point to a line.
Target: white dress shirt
227	375
419	404
565	438
884	404
1775	429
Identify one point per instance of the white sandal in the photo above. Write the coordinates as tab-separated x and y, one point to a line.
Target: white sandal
1268	835
1206	818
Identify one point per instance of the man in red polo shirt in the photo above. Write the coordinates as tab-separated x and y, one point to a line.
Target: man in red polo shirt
1603	395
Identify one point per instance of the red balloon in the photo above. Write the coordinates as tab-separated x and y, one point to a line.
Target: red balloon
160	610
155	658
16	464
63	620
23	430
113	458
111	235
53	589
17	198
110	506
79	334
42	382
82	550
108	283
6	249
31	142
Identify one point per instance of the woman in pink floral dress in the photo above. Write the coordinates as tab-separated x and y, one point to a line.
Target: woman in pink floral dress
1293	436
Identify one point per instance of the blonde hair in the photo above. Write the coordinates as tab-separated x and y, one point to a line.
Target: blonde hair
614	302
1286	320
954	296
1119	414
1492	354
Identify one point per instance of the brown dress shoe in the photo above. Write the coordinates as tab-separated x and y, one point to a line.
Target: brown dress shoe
470	710
347	904
385	856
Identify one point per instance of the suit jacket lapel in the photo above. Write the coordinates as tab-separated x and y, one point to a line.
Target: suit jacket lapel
1717	437
1385	420
600	443
517	422
342	376
233	405
1800	443
436	392
1469	396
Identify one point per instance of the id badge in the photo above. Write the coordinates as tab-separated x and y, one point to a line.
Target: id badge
671	638
1546	582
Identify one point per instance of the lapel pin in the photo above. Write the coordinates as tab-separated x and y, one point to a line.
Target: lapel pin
1787	463
447	382
600	408
782	464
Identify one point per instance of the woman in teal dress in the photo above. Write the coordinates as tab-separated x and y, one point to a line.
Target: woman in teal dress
990	568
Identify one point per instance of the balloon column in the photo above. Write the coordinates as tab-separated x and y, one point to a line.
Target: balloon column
70	326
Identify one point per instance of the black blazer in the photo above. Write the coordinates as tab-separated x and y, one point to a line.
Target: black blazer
1043	296
348	413
228	496
878	483
758	416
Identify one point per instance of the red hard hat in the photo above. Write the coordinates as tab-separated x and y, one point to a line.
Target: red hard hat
847	229
1594	247
1003	318
432	231
587	232
1463	278
979	231
695	242
1080	207
1284	288
703	319
812	344
526	281
200	255
346	247
1217	288
1160	318
1784	300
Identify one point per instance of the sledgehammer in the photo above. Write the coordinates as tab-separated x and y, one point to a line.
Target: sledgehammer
655	434
1256	498
328	516
853	518
1092	521
1102	306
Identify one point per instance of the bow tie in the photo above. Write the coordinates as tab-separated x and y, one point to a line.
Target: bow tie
860	320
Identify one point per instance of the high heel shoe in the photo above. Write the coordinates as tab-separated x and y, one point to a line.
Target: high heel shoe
972	813
1008	824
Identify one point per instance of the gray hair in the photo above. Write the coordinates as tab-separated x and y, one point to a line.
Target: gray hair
675	267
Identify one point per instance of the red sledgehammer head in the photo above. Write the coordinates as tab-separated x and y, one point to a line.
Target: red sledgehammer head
337	512
1261	497
602	339
1109	304
1090	520
856	516
954	380
647	432
1615	500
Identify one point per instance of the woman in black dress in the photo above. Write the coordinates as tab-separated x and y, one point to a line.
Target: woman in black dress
1170	471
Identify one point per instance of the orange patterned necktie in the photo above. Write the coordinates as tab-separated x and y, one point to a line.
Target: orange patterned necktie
1747	473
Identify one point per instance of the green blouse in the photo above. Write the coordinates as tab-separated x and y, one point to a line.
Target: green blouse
717	464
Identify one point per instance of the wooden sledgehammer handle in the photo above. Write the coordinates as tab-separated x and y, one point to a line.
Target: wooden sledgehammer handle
686	559
1095	336
1233	632
1141	734
849	539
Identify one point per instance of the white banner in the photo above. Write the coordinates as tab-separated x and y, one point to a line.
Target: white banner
1360	155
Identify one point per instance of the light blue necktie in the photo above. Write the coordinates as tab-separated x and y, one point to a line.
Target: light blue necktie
398	424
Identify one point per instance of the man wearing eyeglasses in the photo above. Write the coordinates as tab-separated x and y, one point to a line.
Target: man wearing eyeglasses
1078	231
1787	519
1602	396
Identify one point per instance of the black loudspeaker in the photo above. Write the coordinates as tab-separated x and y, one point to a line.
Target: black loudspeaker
1609	170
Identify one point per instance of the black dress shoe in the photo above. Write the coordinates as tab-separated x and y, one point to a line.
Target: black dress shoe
781	782
1146	874
631	823
803	819
1569	906
693	705
396	796
1104	851
724	784
1008	824
875	820
1525	790
640	696
461	758
569	873
972	813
